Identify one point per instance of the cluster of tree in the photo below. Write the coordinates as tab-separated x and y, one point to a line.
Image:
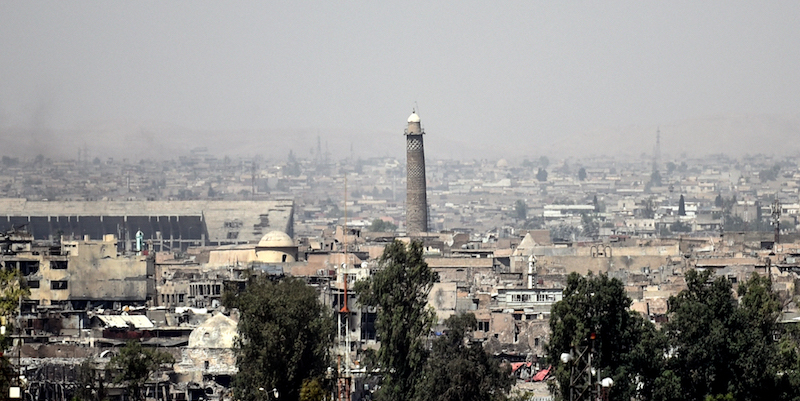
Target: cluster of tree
520	210
285	334
13	287
520	214
292	165
564	232
132	367
541	175
770	174
454	367
9	161
733	222
655	179
380	226
590	225
648	208
714	344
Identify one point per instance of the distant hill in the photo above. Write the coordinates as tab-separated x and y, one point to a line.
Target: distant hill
729	134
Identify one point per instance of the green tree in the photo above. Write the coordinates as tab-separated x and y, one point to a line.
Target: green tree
756	322
655	178
627	347
541	175
13	287
400	290
292	165
520	210
544	162
700	335
91	385
582	174
649	208
681	206
591	228
380	226
721	347
719	201
680	227
312	390
789	362
134	364
285	334
460	369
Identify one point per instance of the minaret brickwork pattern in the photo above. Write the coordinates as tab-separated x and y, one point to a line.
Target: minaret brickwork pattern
416	187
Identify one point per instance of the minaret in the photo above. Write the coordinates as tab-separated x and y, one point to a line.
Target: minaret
416	192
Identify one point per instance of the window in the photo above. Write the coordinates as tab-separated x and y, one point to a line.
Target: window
180	297
483	326
58	264
368	330
27	267
33	283
536	342
58	285
520	297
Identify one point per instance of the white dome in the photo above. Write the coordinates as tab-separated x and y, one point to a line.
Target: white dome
413	118
275	239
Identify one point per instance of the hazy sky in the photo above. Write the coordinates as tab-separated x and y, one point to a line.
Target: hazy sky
503	76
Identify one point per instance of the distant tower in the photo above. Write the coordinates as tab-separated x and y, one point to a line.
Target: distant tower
657	151
416	192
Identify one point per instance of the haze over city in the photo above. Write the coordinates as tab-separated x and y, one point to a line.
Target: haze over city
513	80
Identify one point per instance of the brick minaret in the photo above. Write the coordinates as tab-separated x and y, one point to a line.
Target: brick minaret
416	187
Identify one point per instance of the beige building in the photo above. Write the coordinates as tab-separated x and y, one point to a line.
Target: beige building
81	272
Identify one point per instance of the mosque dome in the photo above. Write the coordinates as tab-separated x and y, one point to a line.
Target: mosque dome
413	118
275	239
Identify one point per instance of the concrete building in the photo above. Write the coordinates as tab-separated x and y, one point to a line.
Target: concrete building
80	272
416	185
165	225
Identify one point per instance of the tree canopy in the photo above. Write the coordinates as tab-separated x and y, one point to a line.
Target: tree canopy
459	369
541	175
520	210
582	174
381	226
716	345
285	336
721	346
626	345
134	365
13	287
400	290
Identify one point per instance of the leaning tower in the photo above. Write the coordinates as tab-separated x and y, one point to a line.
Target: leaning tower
416	197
